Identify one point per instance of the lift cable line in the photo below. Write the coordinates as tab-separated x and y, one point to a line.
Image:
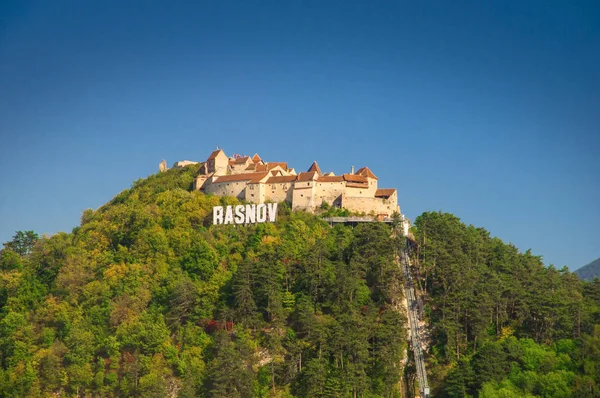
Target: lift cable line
413	305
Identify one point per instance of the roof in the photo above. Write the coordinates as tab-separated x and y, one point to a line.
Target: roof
357	185
280	179
366	172
271	166
354	178
256	177
214	154
307	176
256	158
241	160
384	192
327	178
252	177
315	167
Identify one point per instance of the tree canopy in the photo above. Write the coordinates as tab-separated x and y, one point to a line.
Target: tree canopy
146	298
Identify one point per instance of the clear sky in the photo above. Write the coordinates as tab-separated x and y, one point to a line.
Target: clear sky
486	109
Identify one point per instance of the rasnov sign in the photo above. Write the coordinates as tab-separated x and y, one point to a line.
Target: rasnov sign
244	214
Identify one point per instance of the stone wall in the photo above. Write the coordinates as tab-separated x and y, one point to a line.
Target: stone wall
367	205
279	192
329	191
304	196
234	188
255	193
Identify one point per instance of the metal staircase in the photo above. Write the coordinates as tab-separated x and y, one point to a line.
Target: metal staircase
413	305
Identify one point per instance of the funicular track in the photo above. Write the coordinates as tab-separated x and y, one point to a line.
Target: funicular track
413	305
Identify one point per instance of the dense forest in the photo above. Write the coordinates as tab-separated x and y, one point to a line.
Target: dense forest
502	324
147	299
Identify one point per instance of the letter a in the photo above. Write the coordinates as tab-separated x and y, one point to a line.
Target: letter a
228	215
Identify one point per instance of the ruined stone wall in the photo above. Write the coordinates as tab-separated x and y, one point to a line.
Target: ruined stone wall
199	182
239	168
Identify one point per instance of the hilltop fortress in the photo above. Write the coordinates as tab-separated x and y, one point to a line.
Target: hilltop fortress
254	180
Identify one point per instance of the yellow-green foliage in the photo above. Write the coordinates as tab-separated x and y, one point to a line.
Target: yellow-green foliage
147	298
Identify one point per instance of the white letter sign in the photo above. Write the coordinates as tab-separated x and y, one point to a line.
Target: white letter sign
248	214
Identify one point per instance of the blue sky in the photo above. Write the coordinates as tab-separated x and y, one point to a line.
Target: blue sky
488	110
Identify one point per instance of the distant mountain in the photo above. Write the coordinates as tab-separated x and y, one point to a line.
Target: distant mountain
590	271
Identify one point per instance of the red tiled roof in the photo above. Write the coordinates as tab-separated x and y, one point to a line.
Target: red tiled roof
384	192
256	158
280	179
215	153
272	165
252	177
366	172
315	167
354	178
330	179
241	160
251	166
307	176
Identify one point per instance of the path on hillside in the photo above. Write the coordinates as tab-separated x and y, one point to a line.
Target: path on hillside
415	332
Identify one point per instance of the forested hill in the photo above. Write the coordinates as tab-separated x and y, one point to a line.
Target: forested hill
147	299
503	324
589	271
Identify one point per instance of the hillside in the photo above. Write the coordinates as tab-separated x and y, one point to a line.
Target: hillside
590	271
146	298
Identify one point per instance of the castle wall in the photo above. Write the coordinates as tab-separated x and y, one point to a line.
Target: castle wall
304	197
218	164
329	191
233	188
199	182
359	192
255	193
368	205
279	192
239	168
